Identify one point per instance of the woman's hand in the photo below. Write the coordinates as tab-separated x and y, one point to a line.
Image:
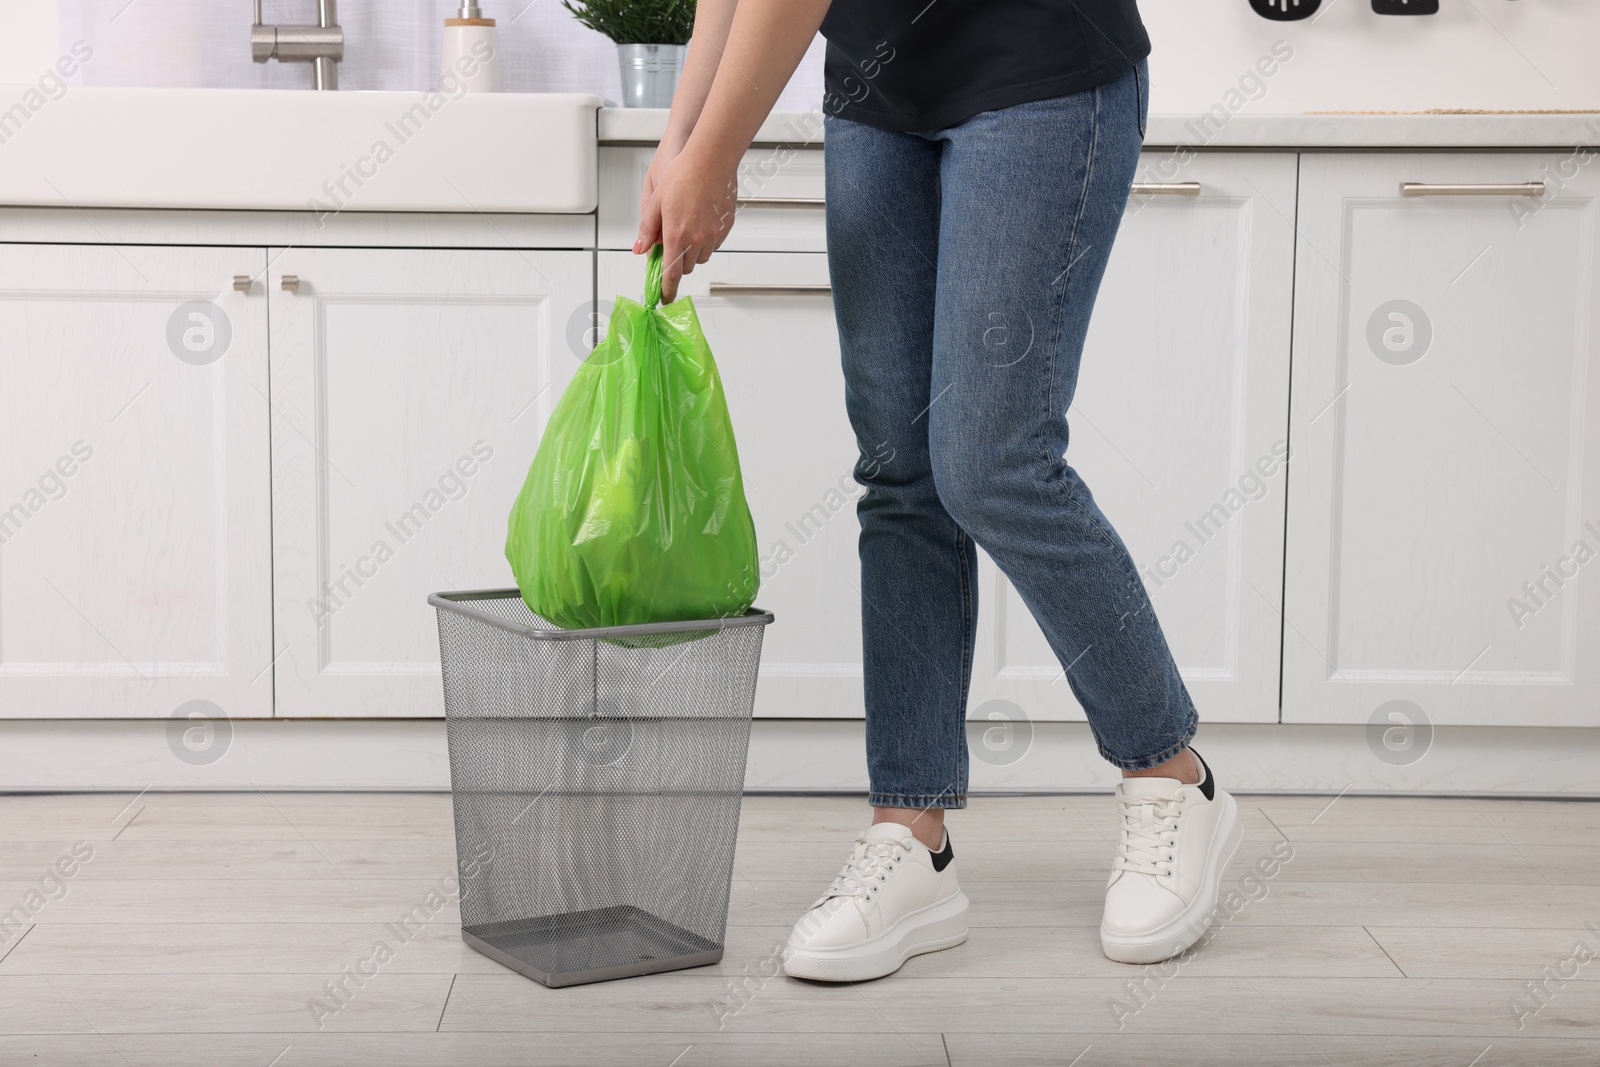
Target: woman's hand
689	210
671	144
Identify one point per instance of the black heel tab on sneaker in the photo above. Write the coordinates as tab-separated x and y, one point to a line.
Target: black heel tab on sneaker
942	858
1208	788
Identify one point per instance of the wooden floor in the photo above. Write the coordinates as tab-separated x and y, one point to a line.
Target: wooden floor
1391	931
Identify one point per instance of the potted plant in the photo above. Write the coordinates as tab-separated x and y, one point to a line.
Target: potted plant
650	36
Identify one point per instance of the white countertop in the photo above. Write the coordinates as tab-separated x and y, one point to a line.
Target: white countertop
525	153
1243	130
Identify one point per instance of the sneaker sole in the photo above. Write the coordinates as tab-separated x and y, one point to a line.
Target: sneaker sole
1182	932
937	926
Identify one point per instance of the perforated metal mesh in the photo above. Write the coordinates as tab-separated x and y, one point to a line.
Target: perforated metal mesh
596	786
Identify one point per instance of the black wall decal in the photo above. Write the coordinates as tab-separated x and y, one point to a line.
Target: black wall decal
1287	10
1406	7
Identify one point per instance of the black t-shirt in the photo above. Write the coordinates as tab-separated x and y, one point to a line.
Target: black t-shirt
921	65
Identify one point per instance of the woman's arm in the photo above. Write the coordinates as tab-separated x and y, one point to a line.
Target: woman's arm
711	21
690	210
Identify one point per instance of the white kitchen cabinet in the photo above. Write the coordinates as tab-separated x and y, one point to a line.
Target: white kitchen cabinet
778	353
410	388
1179	428
1444	509
135	558
779	205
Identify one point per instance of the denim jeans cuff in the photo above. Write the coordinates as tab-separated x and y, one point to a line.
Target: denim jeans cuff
917	800
1145	763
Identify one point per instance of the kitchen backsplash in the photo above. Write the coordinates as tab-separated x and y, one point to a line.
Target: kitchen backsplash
1211	56
392	44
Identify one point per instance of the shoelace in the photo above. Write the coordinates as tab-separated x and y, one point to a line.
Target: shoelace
1149	832
869	863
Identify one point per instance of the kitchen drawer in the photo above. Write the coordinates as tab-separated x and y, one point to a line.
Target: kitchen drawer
771	179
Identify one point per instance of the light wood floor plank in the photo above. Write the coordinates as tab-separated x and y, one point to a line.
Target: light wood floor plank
234	1003
292	823
1569	864
1247	1050
684	1001
233	948
470	1049
1369	1007
1352	861
98	816
33	1006
1398	1007
133	900
780	1005
1431	905
822	1048
1131	1050
213	859
1184	1004
1558	954
1447	821
1074	952
1452	1050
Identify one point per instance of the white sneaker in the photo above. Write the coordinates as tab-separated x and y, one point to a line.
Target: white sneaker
892	900
1177	841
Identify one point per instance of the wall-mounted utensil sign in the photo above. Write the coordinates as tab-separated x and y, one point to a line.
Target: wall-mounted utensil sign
1406	7
1288	10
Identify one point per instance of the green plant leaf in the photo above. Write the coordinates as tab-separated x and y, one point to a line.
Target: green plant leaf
636	21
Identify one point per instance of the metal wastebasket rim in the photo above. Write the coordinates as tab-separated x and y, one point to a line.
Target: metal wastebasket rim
459	601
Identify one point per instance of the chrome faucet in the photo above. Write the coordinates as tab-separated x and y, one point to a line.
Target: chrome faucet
321	45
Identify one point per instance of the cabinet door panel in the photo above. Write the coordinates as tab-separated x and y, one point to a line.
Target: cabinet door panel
1447	480
410	389
135	560
1179	428
779	359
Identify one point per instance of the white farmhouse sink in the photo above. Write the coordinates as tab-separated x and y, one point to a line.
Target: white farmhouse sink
289	150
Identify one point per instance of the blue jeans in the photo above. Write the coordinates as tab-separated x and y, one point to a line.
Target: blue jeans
965	263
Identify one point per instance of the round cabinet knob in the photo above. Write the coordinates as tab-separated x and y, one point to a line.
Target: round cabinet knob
242	283
291	283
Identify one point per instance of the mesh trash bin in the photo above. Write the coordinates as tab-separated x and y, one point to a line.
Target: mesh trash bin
595	777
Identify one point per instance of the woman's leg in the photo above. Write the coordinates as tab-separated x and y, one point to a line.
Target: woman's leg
1032	196
918	583
897	894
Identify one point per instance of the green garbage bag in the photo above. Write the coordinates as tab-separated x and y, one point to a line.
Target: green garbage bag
634	508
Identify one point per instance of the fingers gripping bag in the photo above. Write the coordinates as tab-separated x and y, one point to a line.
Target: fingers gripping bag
634	509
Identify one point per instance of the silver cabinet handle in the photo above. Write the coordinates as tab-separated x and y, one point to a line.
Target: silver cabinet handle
241	283
756	289
291	283
1166	189
779	201
1446	189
